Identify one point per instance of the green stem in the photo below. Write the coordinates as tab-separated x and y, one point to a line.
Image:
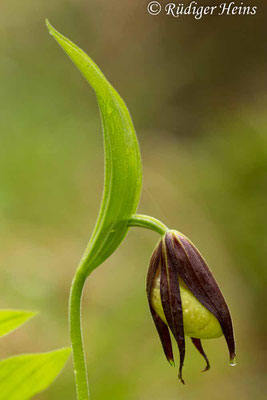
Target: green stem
75	305
75	323
145	221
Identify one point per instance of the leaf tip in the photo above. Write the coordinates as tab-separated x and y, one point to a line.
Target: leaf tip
31	314
11	320
50	28
47	23
65	352
27	315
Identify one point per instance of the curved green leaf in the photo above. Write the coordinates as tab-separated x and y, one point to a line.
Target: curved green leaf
123	169
21	377
12	319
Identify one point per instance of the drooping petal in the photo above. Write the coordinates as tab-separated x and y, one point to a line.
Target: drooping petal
162	328
197	343
164	336
195	273
171	303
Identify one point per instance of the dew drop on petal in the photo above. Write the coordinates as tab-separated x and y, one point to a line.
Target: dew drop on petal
233	362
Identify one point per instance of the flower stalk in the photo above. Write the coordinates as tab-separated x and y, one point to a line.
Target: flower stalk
145	221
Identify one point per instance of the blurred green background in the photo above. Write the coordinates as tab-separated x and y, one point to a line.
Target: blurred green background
197	92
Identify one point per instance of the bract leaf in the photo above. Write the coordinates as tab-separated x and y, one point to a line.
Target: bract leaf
12	319
123	168
21	377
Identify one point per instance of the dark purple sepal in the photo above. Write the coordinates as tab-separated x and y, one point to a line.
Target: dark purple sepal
171	302
164	336
162	328
153	269
197	343
194	271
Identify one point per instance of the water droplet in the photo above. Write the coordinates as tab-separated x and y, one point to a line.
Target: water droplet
233	362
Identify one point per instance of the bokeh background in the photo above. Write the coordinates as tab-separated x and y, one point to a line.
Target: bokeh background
197	92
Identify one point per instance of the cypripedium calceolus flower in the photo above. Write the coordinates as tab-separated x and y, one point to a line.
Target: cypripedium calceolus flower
185	299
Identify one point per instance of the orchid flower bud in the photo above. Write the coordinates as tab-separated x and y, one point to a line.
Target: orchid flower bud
185	299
